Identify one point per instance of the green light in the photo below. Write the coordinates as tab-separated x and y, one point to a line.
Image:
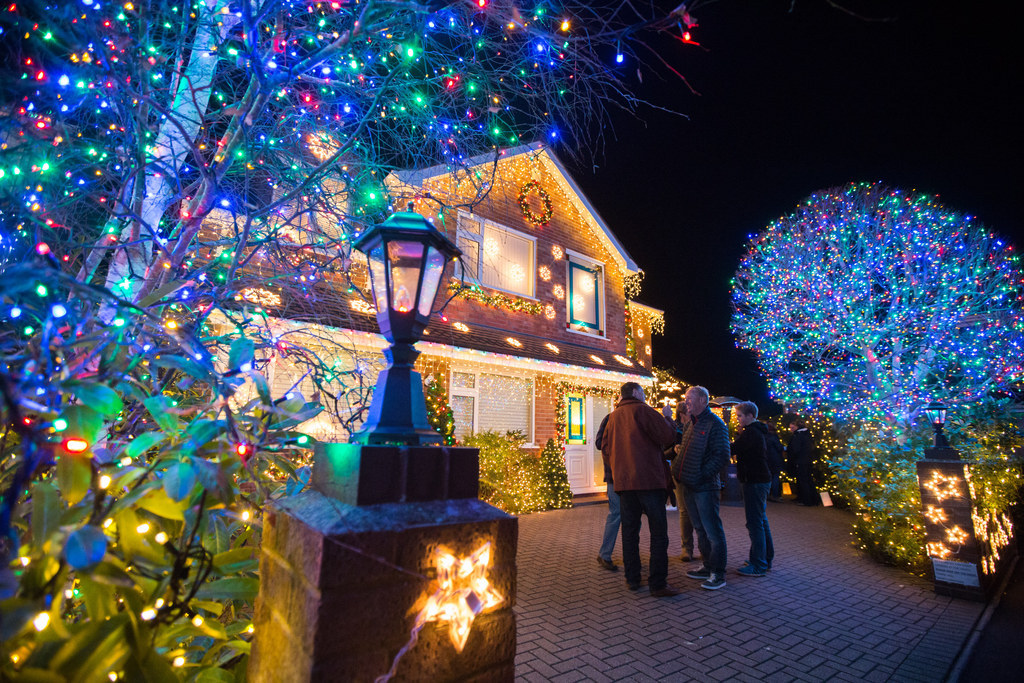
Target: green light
28	330
60	424
302	440
118	322
41	290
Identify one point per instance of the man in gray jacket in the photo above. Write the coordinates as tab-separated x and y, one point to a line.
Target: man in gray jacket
703	452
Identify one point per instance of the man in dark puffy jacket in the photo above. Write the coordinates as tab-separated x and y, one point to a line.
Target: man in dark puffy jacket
755	476
703	452
633	440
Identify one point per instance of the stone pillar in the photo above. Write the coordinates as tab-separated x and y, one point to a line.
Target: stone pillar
342	583
969	549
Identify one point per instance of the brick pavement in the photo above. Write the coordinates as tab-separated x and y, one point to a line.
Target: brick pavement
825	612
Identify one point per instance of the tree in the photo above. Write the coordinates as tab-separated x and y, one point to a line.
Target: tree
439	412
868	302
179	187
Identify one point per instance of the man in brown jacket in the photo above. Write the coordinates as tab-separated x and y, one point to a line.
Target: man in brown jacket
633	441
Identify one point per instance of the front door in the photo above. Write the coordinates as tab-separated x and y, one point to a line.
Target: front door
582	460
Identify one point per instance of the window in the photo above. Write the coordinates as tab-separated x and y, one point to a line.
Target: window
495	256
485	402
576	421
585	312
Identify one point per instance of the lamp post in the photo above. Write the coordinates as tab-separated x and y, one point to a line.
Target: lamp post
936	413
406	256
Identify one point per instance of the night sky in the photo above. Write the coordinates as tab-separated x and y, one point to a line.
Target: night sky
790	102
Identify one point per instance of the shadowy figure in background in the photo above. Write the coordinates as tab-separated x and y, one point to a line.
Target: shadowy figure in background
800	460
614	518
776	453
670	452
634	441
755	477
685	525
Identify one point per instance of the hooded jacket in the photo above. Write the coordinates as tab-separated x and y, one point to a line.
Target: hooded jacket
633	442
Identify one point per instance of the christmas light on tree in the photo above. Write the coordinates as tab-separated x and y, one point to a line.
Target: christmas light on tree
868	302
439	412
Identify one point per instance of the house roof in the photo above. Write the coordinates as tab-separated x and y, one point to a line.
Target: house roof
417	177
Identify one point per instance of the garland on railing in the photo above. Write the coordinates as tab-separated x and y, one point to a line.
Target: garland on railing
497	300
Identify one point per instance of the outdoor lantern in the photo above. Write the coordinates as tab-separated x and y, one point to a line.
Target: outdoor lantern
406	256
936	413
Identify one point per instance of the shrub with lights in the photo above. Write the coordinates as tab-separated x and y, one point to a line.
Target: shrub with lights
864	305
510	477
556	493
439	412
179	188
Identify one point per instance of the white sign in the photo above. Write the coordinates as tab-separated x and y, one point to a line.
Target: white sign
963	573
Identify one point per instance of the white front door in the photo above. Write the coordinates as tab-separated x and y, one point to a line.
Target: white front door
582	460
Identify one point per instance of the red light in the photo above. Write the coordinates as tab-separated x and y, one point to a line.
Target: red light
481	3
242	449
76	445
42	248
40	75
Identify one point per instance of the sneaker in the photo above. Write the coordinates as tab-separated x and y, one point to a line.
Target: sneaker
714	582
666	592
607	564
747	564
748	570
701	574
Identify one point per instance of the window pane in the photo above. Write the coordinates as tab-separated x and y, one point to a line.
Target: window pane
406	260
462	411
463	380
584	296
469	225
506	404
470	256
507	262
375	260
431	279
576	421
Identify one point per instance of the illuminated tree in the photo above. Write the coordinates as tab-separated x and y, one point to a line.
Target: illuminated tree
868	302
175	180
439	412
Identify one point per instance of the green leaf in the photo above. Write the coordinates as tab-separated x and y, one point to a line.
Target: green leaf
110	574
214	676
101	398
186	366
179	480
96	637
241	353
45	511
229	589
159	503
74	474
83	423
159	407
143	442
236	561
201	432
262	388
85	547
30	674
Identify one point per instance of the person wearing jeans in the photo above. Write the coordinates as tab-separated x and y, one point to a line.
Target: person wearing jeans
633	442
703	452
755	476
614	518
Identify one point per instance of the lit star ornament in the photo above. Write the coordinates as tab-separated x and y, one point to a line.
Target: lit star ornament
463	592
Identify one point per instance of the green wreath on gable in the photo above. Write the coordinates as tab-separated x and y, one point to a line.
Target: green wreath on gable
545	199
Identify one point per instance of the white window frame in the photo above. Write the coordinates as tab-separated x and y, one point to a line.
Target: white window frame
572	257
475	394
485	224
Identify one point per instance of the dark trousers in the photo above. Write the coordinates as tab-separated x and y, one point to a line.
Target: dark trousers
632	505
806	492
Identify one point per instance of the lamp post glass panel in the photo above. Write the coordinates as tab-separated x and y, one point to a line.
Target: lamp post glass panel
406	256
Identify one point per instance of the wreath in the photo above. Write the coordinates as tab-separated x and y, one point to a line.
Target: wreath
542	218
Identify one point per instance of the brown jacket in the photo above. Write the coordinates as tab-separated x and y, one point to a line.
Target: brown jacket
633	442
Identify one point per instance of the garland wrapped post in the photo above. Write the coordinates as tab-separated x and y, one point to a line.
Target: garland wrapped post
439	412
557	494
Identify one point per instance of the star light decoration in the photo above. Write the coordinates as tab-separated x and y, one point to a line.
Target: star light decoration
463	592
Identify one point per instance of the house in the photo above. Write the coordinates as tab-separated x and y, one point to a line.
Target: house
538	339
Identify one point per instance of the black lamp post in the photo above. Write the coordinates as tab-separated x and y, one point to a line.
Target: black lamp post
936	413
406	257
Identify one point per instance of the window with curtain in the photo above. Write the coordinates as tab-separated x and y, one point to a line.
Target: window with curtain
488	402
495	256
584	300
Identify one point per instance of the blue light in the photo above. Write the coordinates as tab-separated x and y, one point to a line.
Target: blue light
618	58
15	311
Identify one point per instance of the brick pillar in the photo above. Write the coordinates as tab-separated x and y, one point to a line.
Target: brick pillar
342	584
969	552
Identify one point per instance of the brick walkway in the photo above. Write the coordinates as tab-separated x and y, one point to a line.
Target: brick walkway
825	611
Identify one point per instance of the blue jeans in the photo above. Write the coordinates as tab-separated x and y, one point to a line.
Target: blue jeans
652	504
703	509
611	525
762	551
